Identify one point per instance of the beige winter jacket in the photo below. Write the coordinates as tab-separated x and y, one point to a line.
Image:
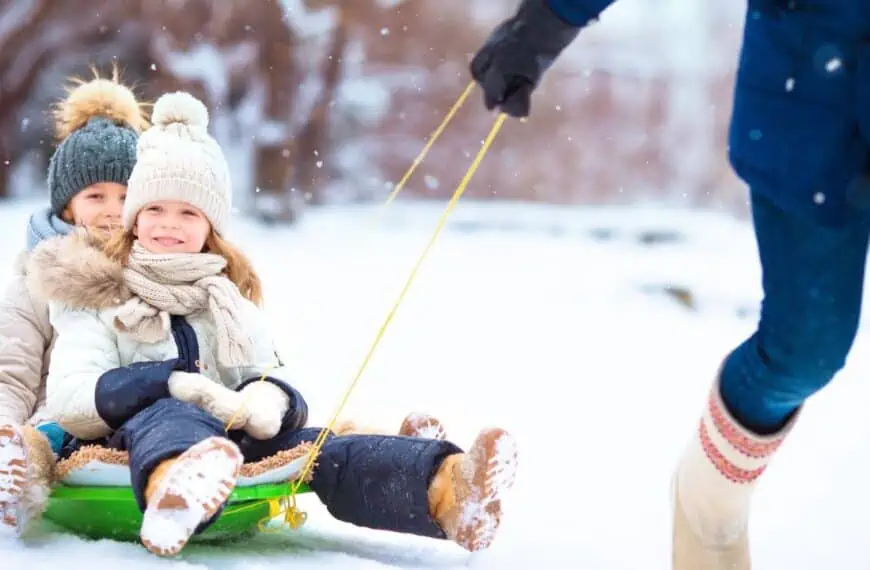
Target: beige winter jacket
26	338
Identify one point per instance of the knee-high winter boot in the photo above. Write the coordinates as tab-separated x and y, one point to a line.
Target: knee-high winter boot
713	488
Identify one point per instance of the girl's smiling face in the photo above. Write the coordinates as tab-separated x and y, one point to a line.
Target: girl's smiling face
170	226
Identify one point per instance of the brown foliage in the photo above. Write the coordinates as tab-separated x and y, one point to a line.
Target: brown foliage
601	134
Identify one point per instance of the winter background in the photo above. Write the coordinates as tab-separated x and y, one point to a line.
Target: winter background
581	296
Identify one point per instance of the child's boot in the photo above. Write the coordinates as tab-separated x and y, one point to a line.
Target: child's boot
184	492
26	475
423	425
713	488
414	425
351	427
466	492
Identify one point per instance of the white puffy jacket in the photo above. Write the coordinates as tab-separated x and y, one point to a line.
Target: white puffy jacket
85	290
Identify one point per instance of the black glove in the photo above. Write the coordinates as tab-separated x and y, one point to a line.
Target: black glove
510	64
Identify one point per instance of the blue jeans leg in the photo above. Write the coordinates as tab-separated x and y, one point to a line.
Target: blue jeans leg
813	278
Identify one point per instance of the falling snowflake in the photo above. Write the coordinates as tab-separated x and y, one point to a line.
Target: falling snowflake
432	183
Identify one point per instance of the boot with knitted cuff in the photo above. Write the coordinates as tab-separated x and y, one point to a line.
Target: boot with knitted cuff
713	487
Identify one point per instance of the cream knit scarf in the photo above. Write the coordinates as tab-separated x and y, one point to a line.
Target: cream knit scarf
183	284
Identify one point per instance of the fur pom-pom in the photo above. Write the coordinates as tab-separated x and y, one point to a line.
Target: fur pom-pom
99	97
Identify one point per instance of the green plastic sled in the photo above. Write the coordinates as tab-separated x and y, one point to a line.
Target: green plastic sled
111	512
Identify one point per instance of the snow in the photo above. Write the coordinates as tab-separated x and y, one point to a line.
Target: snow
557	325
308	23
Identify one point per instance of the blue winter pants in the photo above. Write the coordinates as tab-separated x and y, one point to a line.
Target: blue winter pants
373	481
813	278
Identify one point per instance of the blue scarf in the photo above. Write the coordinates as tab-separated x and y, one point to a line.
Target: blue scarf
45	224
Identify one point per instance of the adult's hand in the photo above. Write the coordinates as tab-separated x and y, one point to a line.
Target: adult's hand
511	63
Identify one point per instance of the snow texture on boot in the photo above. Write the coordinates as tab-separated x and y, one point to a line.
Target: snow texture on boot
192	490
26	475
466	493
424	426
713	488
13	477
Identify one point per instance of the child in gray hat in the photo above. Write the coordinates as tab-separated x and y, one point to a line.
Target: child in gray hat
98	126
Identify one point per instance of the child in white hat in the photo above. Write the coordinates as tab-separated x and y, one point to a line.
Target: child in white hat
161	344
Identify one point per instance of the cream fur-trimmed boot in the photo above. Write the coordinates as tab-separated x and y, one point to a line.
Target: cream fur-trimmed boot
26	474
713	487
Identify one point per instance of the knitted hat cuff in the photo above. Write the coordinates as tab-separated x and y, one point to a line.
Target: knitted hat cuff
180	189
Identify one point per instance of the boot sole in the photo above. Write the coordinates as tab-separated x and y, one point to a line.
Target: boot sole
13	475
423	426
194	488
492	465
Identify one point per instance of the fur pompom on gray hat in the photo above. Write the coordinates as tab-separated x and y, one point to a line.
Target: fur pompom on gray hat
98	125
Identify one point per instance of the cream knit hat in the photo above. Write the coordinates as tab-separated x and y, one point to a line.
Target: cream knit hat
178	160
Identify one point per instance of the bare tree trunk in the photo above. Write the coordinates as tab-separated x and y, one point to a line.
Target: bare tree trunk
313	140
274	155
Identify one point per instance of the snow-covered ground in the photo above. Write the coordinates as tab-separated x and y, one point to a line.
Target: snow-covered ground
553	323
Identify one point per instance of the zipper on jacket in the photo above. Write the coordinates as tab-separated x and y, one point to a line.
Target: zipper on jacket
186	343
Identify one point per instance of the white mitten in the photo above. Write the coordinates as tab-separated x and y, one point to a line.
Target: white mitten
266	405
214	398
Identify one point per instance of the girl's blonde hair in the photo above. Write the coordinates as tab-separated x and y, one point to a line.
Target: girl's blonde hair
238	270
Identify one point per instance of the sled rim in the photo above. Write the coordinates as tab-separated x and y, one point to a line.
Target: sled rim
240	494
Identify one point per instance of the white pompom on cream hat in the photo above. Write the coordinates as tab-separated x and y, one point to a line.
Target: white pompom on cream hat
178	160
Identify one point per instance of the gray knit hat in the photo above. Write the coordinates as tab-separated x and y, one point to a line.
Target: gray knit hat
98	125
101	151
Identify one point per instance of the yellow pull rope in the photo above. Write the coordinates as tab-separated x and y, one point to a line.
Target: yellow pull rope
293	515
399	187
432	138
